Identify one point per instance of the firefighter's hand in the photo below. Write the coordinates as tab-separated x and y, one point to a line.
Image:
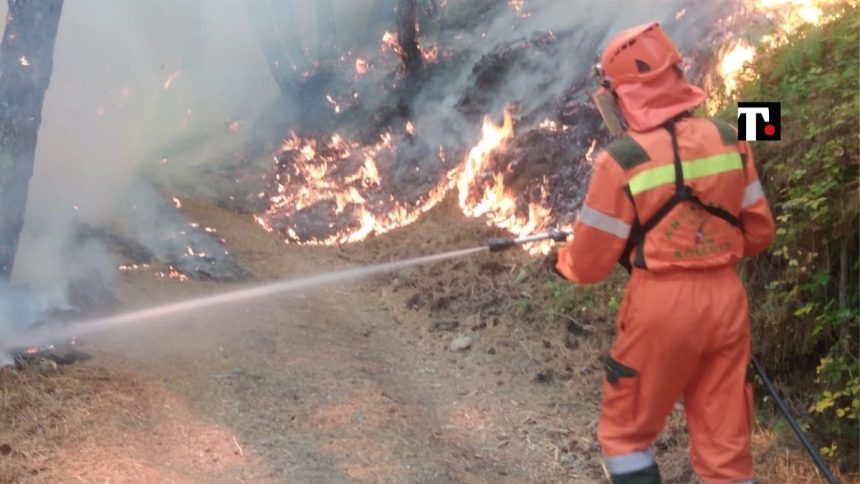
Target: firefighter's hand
550	263
559	235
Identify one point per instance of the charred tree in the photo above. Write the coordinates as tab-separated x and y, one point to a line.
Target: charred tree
274	25
26	61
407	34
326	30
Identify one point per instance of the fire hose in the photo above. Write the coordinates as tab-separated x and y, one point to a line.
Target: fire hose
786	412
497	245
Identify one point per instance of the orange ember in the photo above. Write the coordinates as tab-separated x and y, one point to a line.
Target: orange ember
360	66
429	54
389	43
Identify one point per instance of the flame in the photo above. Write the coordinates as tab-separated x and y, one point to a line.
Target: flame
792	14
733	64
480	191
360	66
24	61
172	273
497	202
313	167
390	43
493	137
589	155
549	125
429	54
132	267
787	16
333	103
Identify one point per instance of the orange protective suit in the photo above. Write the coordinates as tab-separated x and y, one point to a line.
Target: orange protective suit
683	327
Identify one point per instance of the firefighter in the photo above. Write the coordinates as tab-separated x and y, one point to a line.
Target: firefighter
677	200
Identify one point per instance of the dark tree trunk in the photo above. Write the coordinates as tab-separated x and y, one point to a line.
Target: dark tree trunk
407	33
326	30
26	61
274	24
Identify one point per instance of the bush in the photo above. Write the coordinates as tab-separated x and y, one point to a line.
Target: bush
805	293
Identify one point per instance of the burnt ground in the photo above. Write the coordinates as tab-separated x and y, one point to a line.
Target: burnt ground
349	383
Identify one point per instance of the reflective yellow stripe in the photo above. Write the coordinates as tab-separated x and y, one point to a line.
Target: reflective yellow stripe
700	168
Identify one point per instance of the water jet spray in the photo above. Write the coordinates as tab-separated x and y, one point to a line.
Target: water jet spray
43	336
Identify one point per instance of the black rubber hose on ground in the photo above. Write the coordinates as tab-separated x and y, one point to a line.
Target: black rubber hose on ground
786	412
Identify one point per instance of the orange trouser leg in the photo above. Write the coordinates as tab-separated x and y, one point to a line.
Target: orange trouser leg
718	402
667	328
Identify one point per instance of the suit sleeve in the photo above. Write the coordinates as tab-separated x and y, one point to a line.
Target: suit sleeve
756	218
601	231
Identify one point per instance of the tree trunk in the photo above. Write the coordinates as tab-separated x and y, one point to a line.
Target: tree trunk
407	34
26	61
274	25
326	30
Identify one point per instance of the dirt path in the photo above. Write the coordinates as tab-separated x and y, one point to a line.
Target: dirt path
342	384
328	386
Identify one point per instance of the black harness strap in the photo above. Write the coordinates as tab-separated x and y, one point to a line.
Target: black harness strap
683	193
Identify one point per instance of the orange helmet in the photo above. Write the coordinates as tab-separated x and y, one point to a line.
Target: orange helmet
638	54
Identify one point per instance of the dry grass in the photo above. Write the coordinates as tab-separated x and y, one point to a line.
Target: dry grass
512	294
85	423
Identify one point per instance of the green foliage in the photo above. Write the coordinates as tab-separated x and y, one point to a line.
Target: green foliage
805	291
592	303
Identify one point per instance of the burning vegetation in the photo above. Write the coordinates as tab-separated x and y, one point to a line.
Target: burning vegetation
526	133
483	102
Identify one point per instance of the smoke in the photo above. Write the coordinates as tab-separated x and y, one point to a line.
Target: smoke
582	29
132	83
151	93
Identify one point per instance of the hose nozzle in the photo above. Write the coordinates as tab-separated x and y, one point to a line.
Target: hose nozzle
498	245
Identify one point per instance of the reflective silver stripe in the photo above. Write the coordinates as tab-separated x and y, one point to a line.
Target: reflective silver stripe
752	193
623	464
601	221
